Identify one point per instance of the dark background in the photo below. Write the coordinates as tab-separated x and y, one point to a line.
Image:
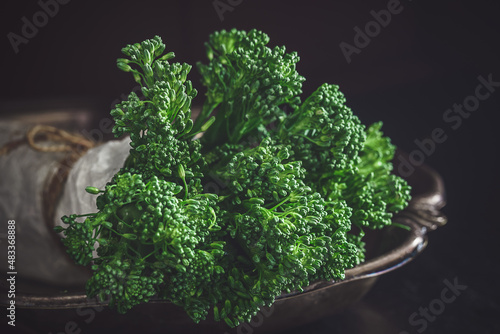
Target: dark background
427	59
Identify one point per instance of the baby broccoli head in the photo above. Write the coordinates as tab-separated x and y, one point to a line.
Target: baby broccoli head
123	283
372	190
248	83
324	133
287	235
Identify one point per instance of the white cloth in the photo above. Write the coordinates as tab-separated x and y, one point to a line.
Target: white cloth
23	174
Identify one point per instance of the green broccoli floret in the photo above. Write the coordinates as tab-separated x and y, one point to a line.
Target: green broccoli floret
324	133
160	125
124	284
286	234
80	238
147	232
296	178
247	82
370	189
155	227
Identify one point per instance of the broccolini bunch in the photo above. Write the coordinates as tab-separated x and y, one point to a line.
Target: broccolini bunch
297	176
